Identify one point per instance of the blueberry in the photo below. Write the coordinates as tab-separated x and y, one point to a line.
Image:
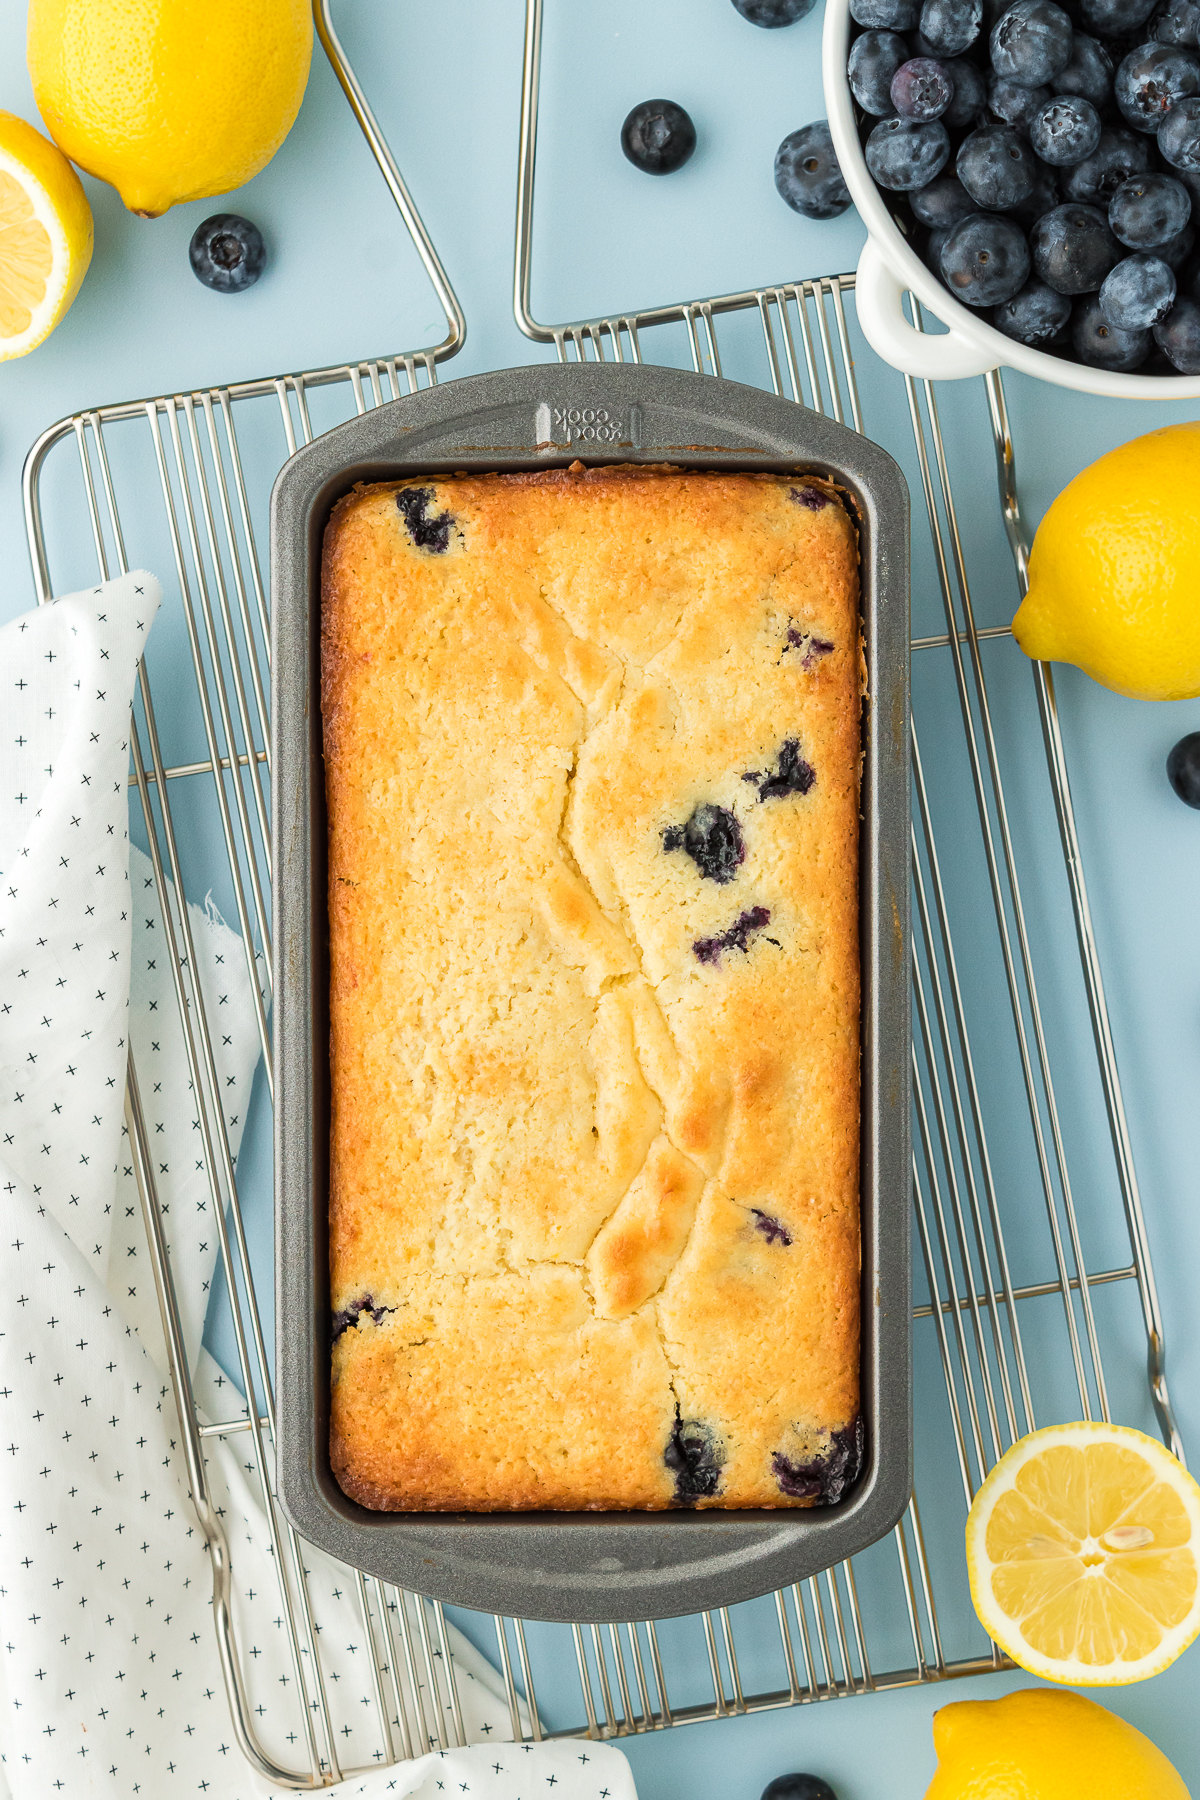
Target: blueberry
1031	42
886	15
1106	346
1147	210
1115	18
942	204
807	173
798	1787
814	648
432	534
227	253
825	1477
985	260
693	1456
1015	105
1065	130
658	137
772	1229
970	92
736	937
1089	72
903	154
1179	335
713	839
791	774
349	1315
1177	23
1138	293
874	59
1036	315
1179	135
771	14
1044	198
1183	769
932	253
948	27
1117	156
1073	249
1152	79
1177	249
814	500
996	167
921	89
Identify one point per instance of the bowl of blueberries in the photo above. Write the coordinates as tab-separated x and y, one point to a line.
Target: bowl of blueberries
1031	173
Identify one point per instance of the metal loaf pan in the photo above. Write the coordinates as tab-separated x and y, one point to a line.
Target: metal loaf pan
584	1566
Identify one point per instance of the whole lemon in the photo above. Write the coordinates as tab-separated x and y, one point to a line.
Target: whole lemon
169	100
1045	1744
1114	575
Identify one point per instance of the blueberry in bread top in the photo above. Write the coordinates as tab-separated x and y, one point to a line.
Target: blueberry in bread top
824	1477
427	533
713	839
791	774
737	937
693	1457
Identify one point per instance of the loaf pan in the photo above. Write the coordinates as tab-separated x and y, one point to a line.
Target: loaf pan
584	1566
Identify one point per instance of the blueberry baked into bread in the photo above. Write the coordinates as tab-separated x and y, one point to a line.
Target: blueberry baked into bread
592	765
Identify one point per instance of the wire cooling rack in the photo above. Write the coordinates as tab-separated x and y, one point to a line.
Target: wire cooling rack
1022	1284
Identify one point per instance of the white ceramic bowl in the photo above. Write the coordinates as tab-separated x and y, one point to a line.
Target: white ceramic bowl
889	265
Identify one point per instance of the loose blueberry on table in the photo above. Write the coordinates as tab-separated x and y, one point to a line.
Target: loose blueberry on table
658	137
227	253
798	1787
1058	185
771	14
1183	769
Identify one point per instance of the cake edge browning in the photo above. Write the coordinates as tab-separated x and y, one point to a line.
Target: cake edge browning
806	1479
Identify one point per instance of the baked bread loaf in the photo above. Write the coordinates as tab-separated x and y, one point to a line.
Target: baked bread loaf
592	747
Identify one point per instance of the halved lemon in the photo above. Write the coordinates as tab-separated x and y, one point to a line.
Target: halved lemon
45	236
1082	1548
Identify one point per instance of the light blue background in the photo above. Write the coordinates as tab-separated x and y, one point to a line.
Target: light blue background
343	281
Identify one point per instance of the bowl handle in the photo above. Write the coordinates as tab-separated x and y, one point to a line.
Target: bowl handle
879	302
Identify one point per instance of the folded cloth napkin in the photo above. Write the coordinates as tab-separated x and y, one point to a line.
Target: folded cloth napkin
110	1682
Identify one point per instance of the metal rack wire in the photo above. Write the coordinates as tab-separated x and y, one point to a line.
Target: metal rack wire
1010	1328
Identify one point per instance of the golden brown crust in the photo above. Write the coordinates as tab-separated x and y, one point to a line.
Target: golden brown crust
594	1228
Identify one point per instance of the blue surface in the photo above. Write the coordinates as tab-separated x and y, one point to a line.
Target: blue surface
343	281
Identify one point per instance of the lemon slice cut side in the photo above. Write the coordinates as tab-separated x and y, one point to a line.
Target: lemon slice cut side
45	236
1083	1552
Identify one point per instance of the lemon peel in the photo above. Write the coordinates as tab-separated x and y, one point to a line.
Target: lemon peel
45	236
1114	574
1044	1744
169	100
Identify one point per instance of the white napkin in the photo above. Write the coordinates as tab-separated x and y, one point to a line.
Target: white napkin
110	1683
